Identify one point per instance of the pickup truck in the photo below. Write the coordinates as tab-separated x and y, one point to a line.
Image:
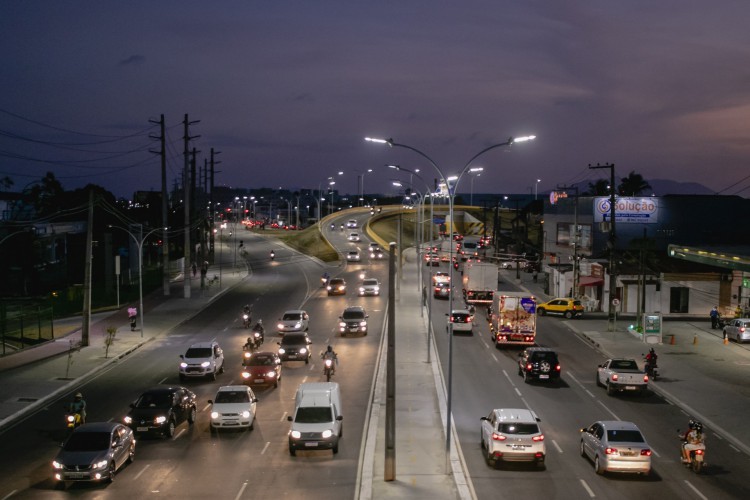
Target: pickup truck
621	375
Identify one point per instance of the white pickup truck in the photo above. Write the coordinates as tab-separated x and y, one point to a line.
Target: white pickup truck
621	375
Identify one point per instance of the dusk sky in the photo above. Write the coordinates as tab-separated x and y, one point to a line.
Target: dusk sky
287	91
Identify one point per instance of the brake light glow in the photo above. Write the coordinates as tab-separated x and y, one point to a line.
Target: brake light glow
615	377
645	378
697	452
498	437
611	451
538	438
529	367
647	453
558	368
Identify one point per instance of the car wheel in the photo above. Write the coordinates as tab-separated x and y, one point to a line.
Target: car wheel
568	314
60	485
182	377
252	424
213	375
169	431
598	466
307	360
191	416
598	383
276	382
541	312
292	451
111	472
583	449
610	390
335	448
221	370
131	454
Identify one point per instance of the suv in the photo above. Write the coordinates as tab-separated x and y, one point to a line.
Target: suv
539	363
570	308
233	408
336	286
369	286
160	410
351	223
461	319
512	435
295	320
295	347
204	359
353	320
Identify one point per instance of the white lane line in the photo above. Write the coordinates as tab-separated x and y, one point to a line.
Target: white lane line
589	393
581	385
517	391
695	490
495	358
508	377
610	411
283	417
655	453
176	436
162	380
10	494
717	436
142	471
735	448
206	407
242	490
268	443
559	450
304	379
586	487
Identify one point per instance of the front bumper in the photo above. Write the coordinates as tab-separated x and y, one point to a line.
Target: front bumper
313	442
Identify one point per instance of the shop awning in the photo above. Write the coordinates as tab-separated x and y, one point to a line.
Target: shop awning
590	281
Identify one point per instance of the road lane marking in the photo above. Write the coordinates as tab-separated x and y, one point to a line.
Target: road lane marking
163	380
695	490
242	490
517	391
581	385
586	487
655	453
283	417
495	358
206	407
718	437
268	443
735	448
142	471
10	494
304	379
610	411
557	446
180	433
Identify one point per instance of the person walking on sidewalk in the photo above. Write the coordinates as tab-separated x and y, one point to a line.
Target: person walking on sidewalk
132	314
714	314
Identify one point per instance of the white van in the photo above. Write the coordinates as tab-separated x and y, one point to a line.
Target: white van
316	421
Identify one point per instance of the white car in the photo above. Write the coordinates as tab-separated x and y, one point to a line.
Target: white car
369	286
441	277
204	359
233	408
512	435
354	237
351	223
353	256
616	446
461	320
295	320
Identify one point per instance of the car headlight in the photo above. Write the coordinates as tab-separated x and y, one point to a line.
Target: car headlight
280	326
363	323
341	288
245	375
214	414
183	365
302	351
361	290
329	287
298	325
377	289
282	350
100	464
160	419
128	419
327	433
295	434
342	324
245	414
56	465
205	364
271	374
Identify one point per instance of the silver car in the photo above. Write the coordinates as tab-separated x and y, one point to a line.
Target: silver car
369	286
353	256
295	320
94	452
512	435
616	446
738	329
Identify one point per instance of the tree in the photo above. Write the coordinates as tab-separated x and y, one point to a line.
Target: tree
598	188
632	185
6	183
45	195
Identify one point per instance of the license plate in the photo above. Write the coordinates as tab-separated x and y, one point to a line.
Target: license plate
698	458
259	380
292	356
518	447
311	443
352	330
76	475
141	429
543	376
630	387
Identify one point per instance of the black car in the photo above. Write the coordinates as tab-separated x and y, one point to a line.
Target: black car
295	346
161	409
539	363
336	286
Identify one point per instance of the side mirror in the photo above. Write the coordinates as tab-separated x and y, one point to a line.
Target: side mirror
289	418
182	356
583	430
484	418
255	400
210	401
340	417
278	343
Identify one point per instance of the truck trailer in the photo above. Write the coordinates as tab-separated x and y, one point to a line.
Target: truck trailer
513	319
480	282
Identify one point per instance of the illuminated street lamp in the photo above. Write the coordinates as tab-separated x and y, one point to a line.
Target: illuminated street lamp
536	188
476	172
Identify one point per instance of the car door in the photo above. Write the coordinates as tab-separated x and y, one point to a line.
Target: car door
119	446
590	439
178	406
488	425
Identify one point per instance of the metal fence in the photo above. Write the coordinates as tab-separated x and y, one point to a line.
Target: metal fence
24	325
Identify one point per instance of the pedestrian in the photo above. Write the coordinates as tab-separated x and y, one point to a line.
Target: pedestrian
535	275
424	295
714	314
132	314
195	269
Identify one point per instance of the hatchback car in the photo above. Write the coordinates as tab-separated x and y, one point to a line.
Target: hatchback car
336	286
512	435
351	223
616	446
570	308
204	359
295	347
233	407
377	253
738	329
539	363
461	320
432	259
353	320
354	237
94	452
353	256
369	286
441	290
261	368
295	320
160	410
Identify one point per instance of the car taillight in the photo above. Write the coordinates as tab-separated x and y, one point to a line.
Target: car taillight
645	378
529	367
647	453
614	377
742	329
558	368
498	437
697	452
610	451
538	438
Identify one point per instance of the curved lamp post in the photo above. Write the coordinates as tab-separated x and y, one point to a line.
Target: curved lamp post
139	244
451	195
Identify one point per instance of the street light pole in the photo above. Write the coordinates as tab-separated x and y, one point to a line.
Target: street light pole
477	171
536	188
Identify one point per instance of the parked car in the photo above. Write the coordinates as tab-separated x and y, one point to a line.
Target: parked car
369	286
461	320
204	359
295	320
261	368
567	307
512	435
738	329
161	409
539	363
336	286
353	256
295	346
94	452
616	446
353	320
233	407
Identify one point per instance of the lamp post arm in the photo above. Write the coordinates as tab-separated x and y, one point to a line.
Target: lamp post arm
420	153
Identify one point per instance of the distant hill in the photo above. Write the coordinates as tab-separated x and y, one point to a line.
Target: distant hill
661	187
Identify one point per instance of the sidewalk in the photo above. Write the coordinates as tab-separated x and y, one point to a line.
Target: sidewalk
29	379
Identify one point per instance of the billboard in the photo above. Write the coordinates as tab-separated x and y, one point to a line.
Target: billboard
627	210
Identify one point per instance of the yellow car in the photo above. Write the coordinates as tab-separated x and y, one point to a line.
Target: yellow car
570	308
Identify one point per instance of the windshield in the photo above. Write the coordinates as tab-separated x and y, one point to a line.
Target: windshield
293	339
198	352
313	415
370	282
259	361
154	400
88	441
624	364
232	397
625	436
353	315
292	317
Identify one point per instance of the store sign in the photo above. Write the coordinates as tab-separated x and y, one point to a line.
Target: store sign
627	210
556	195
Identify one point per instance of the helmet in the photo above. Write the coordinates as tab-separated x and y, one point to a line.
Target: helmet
78	395
330	349
260	321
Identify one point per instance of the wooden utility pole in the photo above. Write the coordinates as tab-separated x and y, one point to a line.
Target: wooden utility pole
164	206
86	316
611	244
186	187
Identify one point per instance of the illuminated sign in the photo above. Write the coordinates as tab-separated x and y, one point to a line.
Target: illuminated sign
627	210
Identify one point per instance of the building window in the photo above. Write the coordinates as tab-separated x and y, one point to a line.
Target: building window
678	299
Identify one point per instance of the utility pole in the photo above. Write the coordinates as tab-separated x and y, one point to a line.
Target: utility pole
186	201
164	205
611	244
213	163
86	310
390	385
575	238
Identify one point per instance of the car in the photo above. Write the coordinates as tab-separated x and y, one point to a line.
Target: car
353	256
506	264
461	321
570	308
432	259
616	446
445	257
353	320
204	359
295	346
294	320
233	407
376	253
457	236
261	368
441	277
336	286
441	290
512	435
351	223
369	286
160	410
94	452
353	237
737	329
539	363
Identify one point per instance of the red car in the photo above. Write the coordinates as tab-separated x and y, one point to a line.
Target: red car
261	368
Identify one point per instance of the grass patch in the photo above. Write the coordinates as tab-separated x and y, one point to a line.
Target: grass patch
308	241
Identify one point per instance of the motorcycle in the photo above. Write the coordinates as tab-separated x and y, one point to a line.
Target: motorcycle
652	369
324	281
697	460
333	227
246	320
258	336
342	227
328	369
72	419
273	255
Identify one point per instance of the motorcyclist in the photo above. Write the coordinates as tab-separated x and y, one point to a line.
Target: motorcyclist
651	358
333	226
78	406
325	278
273	255
246	316
693	440
329	353
342	227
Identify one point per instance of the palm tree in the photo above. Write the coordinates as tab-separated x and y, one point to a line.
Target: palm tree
633	185
598	188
